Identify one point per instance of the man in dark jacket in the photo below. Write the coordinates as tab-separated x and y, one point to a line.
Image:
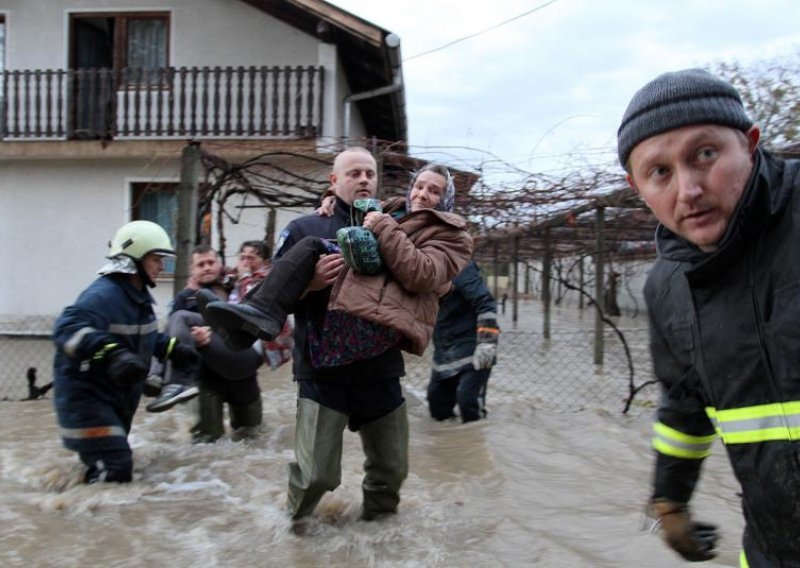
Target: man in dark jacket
364	395
724	309
465	348
225	376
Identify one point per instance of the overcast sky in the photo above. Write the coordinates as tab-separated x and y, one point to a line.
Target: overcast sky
547	90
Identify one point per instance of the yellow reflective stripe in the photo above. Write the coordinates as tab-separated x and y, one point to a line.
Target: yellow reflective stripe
759	423
674	443
173	341
103	350
743	560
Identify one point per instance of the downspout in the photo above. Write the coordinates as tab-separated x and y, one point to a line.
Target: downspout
392	42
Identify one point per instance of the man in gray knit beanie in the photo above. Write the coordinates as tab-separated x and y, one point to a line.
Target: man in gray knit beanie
673	100
722	301
667	112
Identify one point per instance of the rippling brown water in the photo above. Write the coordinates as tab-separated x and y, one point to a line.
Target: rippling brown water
525	487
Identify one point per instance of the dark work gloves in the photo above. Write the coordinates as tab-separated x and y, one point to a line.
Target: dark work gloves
119	365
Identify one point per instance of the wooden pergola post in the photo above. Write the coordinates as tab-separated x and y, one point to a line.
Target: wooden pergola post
599	261
547	266
496	270
186	229
515	309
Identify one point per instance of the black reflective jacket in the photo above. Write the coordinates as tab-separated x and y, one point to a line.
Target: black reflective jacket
725	339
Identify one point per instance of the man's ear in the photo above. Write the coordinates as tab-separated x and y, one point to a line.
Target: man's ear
753	136
631	183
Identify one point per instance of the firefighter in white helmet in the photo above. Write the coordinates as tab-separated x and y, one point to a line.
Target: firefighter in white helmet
104	343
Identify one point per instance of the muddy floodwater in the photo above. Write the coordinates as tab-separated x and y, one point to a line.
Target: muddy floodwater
529	486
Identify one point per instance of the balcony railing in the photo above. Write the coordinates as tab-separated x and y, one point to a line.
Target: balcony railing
218	102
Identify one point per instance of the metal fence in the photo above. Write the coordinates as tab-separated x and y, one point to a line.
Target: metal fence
556	374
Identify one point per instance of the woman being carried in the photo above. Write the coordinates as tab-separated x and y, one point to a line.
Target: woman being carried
418	237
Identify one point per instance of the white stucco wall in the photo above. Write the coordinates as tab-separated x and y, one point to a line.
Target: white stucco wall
203	32
56	216
56	219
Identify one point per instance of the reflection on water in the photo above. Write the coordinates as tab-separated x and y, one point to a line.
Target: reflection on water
525	487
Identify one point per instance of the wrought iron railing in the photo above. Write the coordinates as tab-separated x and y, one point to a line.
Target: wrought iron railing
221	102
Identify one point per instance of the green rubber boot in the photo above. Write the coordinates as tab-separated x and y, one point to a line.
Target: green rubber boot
318	451
246	419
209	427
385	443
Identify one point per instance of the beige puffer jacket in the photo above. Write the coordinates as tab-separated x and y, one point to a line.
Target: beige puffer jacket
423	251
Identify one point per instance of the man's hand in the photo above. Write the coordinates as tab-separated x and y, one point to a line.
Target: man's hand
483	356
486	348
327	269
694	541
119	365
201	335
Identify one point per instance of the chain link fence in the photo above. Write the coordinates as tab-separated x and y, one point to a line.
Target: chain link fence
559	374
556	374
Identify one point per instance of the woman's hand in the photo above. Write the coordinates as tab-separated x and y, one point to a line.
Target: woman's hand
372	218
327	207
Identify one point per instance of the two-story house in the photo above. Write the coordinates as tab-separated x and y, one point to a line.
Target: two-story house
98	98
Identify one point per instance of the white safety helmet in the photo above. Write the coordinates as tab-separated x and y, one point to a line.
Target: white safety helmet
137	239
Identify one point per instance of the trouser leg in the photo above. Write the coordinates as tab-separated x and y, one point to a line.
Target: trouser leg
385	443
247	415
318	451
210	426
442	397
471	394
179	325
287	279
228	363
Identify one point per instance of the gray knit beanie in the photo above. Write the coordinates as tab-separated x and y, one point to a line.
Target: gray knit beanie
678	99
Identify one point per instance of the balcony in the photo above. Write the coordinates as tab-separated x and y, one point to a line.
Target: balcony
167	103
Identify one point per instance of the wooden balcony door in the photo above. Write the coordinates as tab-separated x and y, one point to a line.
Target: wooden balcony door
102	46
92	49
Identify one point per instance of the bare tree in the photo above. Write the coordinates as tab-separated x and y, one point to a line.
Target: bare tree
770	90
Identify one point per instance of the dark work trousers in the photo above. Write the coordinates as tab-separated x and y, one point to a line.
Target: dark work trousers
467	389
224	361
362	402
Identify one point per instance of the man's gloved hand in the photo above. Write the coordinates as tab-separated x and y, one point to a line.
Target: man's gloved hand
694	541
486	350
183	357
120	365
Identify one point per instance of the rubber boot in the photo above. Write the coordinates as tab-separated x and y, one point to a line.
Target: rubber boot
209	427
318	451
385	443
245	419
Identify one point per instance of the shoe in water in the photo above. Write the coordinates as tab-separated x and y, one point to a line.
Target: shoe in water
171	395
